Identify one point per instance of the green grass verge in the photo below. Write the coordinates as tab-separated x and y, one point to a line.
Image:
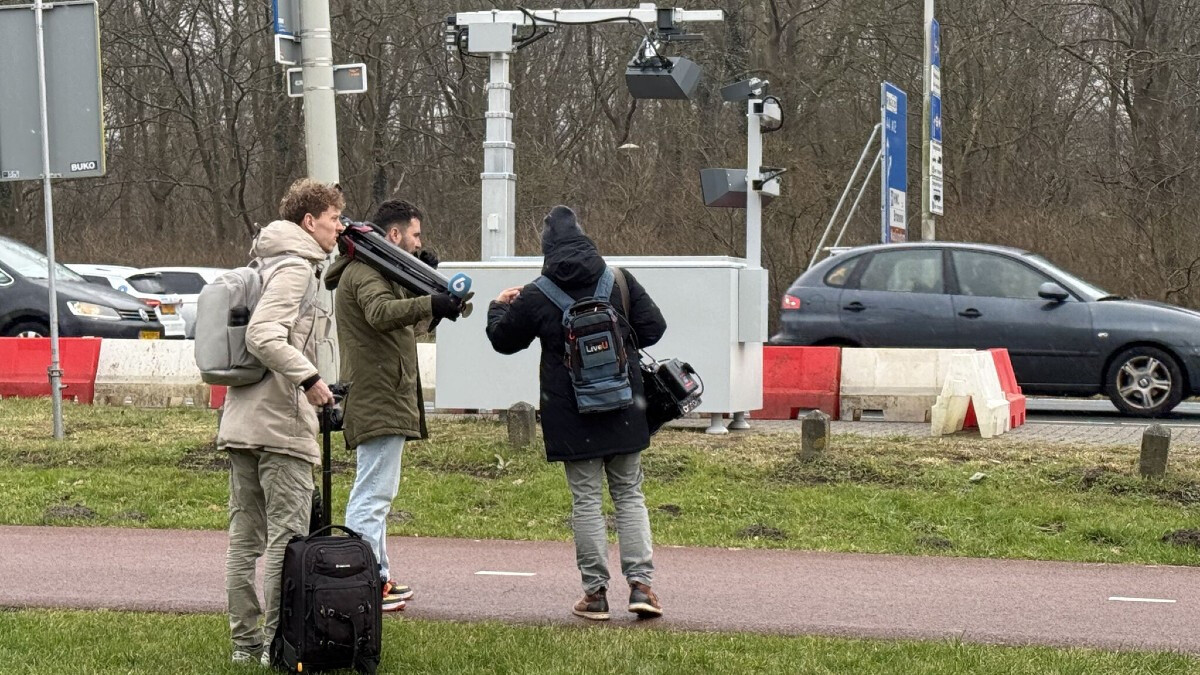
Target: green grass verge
54	642
158	468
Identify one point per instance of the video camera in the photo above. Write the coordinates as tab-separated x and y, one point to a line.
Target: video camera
673	390
333	415
362	241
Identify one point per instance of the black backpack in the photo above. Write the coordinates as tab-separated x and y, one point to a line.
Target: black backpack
595	348
331	610
331	613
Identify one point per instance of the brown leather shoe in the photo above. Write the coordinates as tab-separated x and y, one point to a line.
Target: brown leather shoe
643	601
594	606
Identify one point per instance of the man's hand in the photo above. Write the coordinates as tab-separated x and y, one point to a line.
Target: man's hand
508	295
444	307
319	394
428	257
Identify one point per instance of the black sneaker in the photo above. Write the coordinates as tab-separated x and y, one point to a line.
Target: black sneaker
392	602
643	601
391	587
248	654
594	606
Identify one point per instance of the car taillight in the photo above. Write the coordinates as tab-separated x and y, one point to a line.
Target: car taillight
790	302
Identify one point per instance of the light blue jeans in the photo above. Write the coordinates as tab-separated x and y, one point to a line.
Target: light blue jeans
375	487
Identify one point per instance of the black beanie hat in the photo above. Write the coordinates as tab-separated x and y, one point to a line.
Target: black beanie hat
558	226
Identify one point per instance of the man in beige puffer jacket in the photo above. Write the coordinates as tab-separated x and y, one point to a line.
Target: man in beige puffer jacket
270	428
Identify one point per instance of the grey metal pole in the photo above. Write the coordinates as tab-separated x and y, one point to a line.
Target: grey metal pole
320	139
54	371
928	225
753	168
499	177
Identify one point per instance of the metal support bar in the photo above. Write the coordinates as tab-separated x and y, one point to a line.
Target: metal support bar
644	13
849	184
854	207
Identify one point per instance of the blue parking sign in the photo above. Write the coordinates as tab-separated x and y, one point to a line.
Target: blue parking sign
894	111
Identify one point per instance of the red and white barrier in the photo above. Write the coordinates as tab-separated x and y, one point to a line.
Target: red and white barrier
800	378
901	384
972	383
24	363
951	389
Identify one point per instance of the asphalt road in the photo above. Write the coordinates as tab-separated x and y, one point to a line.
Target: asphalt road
783	592
1102	412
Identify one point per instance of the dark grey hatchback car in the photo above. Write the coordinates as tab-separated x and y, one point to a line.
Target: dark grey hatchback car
84	309
1064	335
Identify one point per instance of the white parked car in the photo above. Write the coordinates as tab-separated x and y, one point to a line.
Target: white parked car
168	307
185	282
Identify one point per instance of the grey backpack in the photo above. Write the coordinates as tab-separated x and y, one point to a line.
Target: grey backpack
223	313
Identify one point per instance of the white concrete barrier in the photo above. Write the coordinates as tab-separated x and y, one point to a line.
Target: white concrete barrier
149	373
972	379
427	368
903	384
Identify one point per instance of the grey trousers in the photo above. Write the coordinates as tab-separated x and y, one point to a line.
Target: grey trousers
585	478
270	501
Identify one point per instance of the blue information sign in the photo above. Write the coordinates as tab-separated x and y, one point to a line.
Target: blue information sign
894	108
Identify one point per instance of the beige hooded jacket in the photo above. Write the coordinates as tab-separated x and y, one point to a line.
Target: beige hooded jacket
283	333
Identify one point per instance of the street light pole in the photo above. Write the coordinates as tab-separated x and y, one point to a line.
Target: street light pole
320	139
928	224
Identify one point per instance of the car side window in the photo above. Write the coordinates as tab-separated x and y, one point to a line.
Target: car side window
5	279
905	271
841	273
992	276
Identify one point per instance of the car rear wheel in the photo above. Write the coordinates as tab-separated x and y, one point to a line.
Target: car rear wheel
1144	381
28	329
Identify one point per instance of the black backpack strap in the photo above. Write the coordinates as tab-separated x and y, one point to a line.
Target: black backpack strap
622	286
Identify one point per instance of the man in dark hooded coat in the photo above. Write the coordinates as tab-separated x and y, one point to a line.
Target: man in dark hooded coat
592	445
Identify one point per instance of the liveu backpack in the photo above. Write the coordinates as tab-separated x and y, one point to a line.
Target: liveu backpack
223	313
595	349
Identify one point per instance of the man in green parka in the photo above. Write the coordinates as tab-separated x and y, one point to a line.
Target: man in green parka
383	409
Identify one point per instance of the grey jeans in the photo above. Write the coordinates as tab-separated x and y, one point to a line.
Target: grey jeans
270	501
585	478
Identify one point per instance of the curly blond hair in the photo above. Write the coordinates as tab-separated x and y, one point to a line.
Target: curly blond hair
310	196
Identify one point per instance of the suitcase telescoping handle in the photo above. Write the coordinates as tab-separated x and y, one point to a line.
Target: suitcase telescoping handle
327	420
330	528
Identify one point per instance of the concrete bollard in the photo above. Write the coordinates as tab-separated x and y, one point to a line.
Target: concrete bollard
814	435
522	425
1156	443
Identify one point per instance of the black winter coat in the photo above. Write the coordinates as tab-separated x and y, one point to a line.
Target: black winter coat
575	266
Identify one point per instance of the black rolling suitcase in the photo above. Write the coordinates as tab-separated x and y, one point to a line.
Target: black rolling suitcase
330	614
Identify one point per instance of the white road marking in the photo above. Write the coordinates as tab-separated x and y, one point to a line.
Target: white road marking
492	573
1117	598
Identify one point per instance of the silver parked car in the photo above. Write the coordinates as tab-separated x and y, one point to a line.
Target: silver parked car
185	282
